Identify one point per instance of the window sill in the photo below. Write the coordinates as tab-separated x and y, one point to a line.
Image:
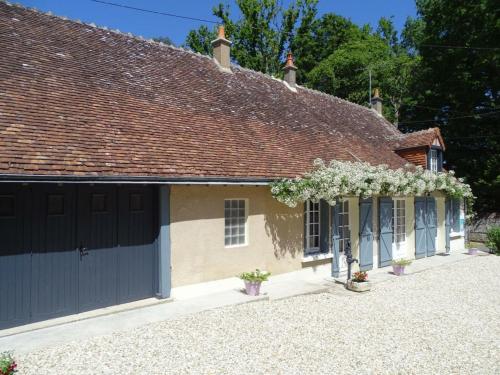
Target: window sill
235	246
316	257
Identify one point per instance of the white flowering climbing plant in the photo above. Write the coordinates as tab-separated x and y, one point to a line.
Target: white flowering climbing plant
341	179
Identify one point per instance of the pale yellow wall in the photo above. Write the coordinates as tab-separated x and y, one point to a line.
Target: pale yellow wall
275	234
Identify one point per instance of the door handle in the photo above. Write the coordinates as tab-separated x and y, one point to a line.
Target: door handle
83	251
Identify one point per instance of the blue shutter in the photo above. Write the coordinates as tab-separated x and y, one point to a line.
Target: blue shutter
456	215
420	228
386	231
431	226
335	240
447	226
324	223
365	235
305	227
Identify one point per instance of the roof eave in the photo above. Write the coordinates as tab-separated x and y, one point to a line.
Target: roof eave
188	180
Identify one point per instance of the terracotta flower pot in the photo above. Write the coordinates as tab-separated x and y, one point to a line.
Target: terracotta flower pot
252	287
398	269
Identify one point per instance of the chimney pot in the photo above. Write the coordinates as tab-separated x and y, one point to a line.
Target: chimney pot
290	71
377	102
222	49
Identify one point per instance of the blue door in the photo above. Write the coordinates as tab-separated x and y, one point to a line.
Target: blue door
425	226
15	256
54	258
420	227
66	249
447	224
386	231
431	226
365	235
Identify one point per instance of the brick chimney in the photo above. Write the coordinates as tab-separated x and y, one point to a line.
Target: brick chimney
377	102
290	71
222	49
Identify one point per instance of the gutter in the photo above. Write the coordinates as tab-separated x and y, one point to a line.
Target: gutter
134	180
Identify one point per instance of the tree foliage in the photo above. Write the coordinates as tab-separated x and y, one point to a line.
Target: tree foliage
458	85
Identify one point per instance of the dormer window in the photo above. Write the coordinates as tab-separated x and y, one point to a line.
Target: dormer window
434	160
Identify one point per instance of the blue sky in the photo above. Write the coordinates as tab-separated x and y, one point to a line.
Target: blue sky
151	25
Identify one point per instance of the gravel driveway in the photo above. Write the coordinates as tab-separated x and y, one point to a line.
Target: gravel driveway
439	321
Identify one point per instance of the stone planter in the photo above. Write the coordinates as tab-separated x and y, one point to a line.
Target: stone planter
252	287
356	286
472	251
398	269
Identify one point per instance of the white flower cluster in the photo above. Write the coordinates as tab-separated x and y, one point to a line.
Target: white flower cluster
341	179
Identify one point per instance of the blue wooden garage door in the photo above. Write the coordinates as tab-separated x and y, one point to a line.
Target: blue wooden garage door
67	249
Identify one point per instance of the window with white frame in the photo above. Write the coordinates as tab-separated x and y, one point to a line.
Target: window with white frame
312	227
344	229
434	160
235	222
399	221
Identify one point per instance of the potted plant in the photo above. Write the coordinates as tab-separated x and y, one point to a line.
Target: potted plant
359	282
472	251
7	364
399	265
253	281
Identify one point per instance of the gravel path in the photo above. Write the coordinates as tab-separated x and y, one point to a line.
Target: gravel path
439	321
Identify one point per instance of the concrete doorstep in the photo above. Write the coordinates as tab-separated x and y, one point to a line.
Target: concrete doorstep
189	300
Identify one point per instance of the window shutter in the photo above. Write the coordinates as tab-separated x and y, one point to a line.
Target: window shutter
305	226
456	215
386	211
324	222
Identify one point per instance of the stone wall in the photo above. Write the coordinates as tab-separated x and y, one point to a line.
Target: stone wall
478	229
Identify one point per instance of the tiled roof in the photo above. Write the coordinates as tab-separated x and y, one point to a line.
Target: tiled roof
420	139
77	100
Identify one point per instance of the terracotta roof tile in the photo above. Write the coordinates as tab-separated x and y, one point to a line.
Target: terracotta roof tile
86	101
419	139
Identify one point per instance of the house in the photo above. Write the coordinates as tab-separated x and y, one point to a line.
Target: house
129	167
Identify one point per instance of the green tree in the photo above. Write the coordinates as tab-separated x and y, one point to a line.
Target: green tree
261	36
200	40
458	87
345	72
316	39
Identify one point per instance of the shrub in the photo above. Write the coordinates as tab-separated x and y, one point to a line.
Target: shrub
7	364
493	239
402	262
360	276
255	276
